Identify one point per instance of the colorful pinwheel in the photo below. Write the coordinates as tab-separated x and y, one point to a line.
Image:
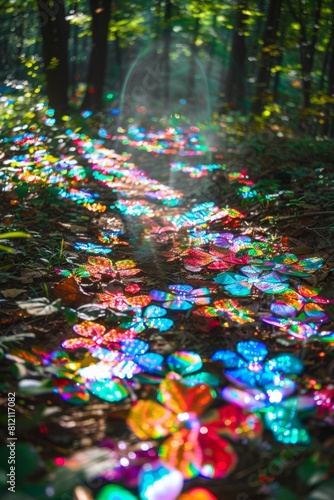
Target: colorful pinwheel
182	297
99	267
184	366
151	317
281	416
228	309
92	334
290	265
193	444
122	301
242	284
298	313
196	260
248	368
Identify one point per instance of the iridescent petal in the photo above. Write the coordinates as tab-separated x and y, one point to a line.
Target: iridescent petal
252	399
71	392
234	422
242	376
286	363
134	347
184	362
201	378
109	390
218	456
151	362
183	452
285	427
150	420
181	399
229	358
252	350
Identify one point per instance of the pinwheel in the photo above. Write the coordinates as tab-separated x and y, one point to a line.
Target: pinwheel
297	314
290	265
184	366
228	309
192	442
196	260
151	317
242	284
182	297
92	334
248	368
99	267
281	415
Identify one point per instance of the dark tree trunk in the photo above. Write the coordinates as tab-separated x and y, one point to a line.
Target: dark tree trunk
119	60
54	29
166	48
100	11
235	86
192	65
307	47
267	55
212	50
328	128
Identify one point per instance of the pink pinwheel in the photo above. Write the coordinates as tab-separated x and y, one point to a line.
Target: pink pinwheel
195	260
182	297
99	267
193	444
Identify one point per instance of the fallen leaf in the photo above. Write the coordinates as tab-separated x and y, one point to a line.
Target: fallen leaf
39	306
70	292
11	293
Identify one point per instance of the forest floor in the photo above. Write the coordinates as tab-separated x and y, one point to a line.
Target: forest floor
110	223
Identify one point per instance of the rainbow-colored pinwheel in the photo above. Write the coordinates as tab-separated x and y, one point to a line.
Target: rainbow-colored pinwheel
228	309
99	267
192	443
182	297
298	313
290	265
184	366
92	334
248	368
151	317
195	260
242	284
281	415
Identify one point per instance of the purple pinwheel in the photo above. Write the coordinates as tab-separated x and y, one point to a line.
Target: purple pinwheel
241	284
182	297
248	368
297	313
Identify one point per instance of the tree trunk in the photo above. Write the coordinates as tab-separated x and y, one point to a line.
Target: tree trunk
235	87
54	29
119	60
100	11
166	49
192	64
269	47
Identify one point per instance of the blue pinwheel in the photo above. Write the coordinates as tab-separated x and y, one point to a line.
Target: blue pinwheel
151	317
248	369
182	297
181	365
126	362
242	284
